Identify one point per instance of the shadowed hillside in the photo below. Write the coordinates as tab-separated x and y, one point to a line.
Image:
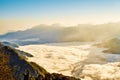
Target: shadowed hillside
5	71
13	66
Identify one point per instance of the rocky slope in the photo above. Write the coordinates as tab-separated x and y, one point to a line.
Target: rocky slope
20	69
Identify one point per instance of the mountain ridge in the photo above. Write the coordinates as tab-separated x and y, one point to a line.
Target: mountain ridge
52	34
20	69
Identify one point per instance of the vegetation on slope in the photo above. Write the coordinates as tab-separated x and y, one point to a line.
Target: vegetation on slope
5	71
14	67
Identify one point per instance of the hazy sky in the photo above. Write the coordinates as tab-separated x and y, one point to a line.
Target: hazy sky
21	14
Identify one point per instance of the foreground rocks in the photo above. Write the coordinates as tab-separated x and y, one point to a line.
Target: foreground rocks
13	66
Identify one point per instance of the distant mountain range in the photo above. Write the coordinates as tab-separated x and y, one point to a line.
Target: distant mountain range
56	33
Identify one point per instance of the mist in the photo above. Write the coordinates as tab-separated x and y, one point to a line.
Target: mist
58	33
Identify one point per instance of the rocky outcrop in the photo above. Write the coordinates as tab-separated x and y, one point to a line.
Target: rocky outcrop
20	69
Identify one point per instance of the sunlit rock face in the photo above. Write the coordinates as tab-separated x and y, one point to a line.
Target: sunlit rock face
81	60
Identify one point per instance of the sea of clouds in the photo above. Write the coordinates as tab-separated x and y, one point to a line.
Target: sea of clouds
78	59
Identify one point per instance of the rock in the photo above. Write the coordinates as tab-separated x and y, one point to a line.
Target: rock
20	69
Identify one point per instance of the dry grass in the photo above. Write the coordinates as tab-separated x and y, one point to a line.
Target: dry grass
5	71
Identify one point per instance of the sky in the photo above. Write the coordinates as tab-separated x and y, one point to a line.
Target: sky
23	14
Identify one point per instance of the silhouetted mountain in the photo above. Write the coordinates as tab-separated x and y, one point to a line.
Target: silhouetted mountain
18	68
56	33
36	35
